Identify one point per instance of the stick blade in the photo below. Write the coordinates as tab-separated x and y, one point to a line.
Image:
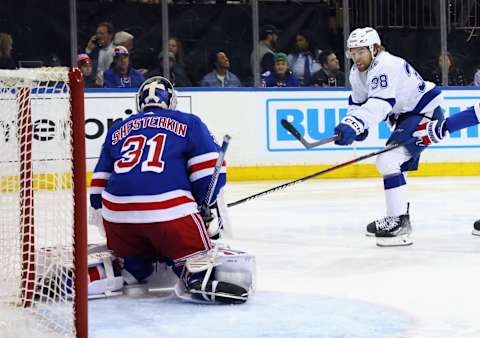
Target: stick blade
289	127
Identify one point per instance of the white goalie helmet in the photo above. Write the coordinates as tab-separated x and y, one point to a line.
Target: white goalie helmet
363	37
156	92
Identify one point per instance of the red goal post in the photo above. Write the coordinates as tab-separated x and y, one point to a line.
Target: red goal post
43	230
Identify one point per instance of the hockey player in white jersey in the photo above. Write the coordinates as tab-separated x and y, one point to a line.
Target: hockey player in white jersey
386	87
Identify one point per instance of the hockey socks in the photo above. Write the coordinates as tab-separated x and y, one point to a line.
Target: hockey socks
395	194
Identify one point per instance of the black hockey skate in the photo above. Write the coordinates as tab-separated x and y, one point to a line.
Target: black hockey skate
396	232
222	292
387	222
476	228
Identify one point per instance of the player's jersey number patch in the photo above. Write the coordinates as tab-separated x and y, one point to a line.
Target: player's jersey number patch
381	80
132	151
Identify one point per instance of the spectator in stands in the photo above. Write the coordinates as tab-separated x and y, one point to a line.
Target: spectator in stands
455	75
175	46
85	65
178	75
281	75
221	75
121	74
124	39
100	50
6	46
476	77
268	40
303	62
330	74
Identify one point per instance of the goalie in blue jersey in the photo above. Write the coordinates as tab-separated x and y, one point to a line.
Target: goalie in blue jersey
154	171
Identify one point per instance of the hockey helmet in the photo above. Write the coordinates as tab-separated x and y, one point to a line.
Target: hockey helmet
363	37
156	92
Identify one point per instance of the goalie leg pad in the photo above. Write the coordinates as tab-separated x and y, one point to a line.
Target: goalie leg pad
104	280
221	275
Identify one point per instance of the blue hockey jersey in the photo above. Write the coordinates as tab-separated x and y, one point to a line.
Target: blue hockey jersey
155	166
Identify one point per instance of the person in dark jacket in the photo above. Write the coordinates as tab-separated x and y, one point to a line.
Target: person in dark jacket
330	74
281	75
455	75
121	74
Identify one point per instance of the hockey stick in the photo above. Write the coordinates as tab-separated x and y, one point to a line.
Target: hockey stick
318	173
205	207
288	126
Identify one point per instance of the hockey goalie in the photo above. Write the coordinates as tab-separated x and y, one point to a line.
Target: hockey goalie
154	171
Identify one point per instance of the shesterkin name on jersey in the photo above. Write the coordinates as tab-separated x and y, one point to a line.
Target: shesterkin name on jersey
159	122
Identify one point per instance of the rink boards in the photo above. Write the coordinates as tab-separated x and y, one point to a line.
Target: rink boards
262	149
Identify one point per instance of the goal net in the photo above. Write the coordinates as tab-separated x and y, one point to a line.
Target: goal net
42	204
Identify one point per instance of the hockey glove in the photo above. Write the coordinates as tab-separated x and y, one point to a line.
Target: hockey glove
350	129
430	132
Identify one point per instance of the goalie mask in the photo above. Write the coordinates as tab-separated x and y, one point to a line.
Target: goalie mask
156	92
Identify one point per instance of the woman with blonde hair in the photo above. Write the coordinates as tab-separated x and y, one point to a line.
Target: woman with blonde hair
6	59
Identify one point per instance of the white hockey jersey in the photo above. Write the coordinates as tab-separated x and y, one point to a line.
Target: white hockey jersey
390	86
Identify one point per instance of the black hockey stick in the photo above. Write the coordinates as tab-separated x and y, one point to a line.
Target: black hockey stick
288	126
205	207
318	173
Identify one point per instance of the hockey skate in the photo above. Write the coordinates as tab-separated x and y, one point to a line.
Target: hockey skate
476	228
396	232
387	222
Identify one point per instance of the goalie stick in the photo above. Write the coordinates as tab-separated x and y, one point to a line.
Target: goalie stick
205	207
288	126
318	173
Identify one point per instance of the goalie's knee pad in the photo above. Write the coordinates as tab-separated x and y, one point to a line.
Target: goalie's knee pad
221	275
104	278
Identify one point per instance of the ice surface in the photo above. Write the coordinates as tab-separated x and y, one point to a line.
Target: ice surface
318	275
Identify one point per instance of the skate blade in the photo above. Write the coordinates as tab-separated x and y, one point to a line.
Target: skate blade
476	232
372	234
394	241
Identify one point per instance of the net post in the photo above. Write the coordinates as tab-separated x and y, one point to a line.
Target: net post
80	202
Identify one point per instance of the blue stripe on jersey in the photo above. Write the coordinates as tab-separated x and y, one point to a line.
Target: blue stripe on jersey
464	119
390	101
352	103
426	98
394	181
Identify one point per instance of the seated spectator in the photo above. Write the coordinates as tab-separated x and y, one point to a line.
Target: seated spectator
281	75
100	50
85	65
220	76
455	75
476	77
178	75
330	74
6	46
268	40
303	62
121	74
124	39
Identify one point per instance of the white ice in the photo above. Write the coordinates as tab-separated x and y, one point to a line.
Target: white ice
318	275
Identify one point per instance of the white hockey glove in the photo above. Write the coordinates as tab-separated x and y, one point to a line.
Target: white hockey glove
95	218
430	132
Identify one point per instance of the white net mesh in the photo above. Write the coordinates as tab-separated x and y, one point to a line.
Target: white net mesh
36	204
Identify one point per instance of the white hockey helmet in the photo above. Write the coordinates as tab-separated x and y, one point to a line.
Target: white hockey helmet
363	37
156	92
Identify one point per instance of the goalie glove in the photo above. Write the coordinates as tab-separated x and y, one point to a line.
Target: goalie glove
430	132
213	221
95	218
350	129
